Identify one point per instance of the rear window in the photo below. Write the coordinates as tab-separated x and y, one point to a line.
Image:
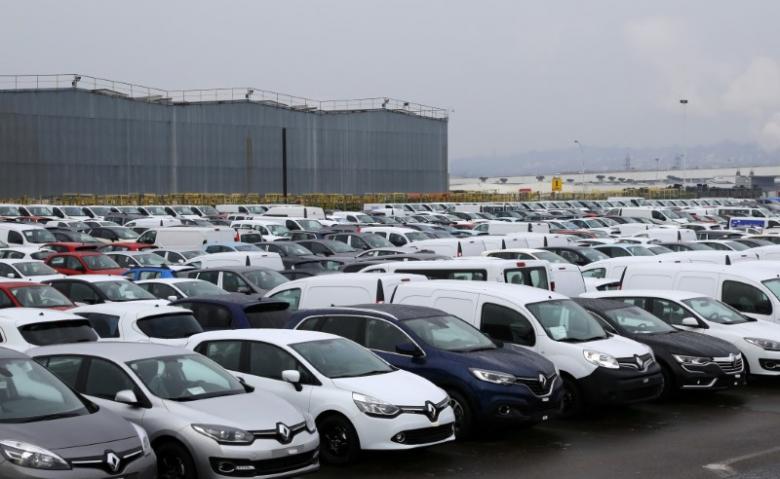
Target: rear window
170	326
58	332
535	276
262	317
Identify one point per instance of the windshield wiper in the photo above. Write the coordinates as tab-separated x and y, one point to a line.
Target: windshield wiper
359	375
49	417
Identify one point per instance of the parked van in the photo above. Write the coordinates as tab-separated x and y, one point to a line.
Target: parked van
269	229
453	247
662	214
294	224
344	289
566	276
505	227
537	240
235	258
153	221
309	212
384	209
189	238
25	234
752	288
244	209
666	235
596	367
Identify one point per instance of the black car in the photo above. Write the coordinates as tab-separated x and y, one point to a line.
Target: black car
688	360
291	252
239	279
578	255
236	311
329	248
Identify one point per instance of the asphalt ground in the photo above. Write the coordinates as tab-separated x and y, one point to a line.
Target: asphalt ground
734	434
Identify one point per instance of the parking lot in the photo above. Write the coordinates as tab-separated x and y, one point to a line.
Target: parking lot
732	434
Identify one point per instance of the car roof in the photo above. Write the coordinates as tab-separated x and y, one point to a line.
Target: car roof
93	278
239	299
600	304
19	260
525	294
116	351
129	253
276	336
169	280
399	312
79	253
234	269
22	316
138	307
661	293
19	284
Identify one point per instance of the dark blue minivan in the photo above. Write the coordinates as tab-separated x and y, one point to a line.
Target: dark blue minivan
489	383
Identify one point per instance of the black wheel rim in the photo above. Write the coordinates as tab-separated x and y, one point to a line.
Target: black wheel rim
336	440
457	409
171	466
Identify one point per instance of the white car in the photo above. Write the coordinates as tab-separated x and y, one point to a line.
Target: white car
757	339
177	288
141	323
358	400
26	328
27	270
25	252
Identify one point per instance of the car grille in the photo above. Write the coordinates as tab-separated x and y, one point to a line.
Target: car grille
537	385
295	429
639	363
732	365
428	435
99	462
265	467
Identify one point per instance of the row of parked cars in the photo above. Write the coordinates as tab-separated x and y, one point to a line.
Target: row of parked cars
193	355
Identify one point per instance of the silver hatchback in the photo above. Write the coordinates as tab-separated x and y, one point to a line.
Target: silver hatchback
202	421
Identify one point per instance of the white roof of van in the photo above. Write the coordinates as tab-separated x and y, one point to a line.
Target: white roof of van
658	293
515	292
273	336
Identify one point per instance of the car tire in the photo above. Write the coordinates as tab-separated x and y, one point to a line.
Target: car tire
339	442
464	417
572	403
670	389
174	462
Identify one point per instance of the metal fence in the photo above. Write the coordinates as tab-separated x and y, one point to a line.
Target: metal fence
247	94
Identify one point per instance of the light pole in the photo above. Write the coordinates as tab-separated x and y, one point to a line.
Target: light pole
684	103
582	167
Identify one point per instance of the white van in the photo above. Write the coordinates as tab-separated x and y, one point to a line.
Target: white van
666	235
343	289
270	230
294	224
352	217
505	227
595	367
566	277
384	209
752	288
662	214
25	234
453	247
238	258
186	238
153	221
243	209
308	212
396	235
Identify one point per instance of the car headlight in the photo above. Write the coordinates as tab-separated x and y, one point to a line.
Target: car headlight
27	455
224	434
145	444
766	344
691	360
311	425
374	407
601	359
494	377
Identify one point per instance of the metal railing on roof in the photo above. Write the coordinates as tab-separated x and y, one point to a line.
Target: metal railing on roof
245	94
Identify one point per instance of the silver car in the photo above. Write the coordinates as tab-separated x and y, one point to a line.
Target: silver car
47	431
203	422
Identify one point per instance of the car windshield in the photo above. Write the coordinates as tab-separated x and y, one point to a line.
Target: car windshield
40	210
774	286
32	393
699	247
416	236
39	235
208	210
737	246
277	230
101	210
199	288
156	210
657	249
449	333
170	326
73	211
639	251
123	290
715	311
294	249
40	297
257	210
183	210
310	225
125	233
376	241
58	332
564	320
149	259
34	268
130	210
97	262
340	358
246	247
551	257
364	219
185	378
9	211
635	320
81	237
338	246
592	254
265	279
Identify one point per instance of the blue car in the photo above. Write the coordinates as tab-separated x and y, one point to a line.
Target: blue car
149	272
489	383
236	311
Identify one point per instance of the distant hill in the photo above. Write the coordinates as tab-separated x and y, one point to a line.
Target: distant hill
726	154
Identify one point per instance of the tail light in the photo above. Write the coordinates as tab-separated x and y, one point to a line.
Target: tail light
520	264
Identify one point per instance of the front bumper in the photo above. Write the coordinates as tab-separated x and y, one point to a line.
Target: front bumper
515	404
417	430
144	467
710	377
621	386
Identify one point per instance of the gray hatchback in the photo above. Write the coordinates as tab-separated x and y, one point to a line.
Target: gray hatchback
48	431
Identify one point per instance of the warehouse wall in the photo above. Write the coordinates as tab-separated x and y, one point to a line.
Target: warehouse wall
76	141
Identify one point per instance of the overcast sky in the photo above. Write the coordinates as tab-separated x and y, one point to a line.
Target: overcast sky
518	75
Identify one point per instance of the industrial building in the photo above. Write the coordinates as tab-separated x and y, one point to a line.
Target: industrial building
78	134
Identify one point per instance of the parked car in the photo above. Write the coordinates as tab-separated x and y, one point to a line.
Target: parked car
27	270
291	253
140	322
26	252
202	421
489	384
359	401
25	294
137	259
151	272
689	361
329	248
178	256
236	311
240	279
98	289
71	246
73	236
580	256
177	288
25	234
50	431
361	241
25	328
84	262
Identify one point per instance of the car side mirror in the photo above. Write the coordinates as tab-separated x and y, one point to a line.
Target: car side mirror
244	290
293	377
172	298
409	349
10	275
126	396
690	322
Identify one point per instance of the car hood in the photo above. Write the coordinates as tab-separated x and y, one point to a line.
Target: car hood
616	346
254	411
112	271
400	388
688	343
753	329
510	358
98	428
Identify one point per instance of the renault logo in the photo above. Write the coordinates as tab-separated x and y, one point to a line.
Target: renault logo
430	411
283	432
112	462
542	381
640	364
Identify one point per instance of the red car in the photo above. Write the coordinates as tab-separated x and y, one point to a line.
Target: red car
84	262
127	246
24	294
70	246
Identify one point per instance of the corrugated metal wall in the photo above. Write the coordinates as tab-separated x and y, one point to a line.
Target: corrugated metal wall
76	141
